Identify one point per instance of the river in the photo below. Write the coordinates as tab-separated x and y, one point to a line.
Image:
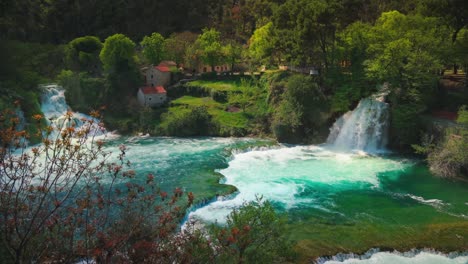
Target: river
339	197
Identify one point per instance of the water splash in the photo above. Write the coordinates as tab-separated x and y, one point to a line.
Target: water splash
363	129
425	256
59	115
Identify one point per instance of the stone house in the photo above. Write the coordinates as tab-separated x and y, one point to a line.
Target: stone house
158	76
152	96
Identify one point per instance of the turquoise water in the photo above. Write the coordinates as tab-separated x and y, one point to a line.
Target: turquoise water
335	201
314	180
186	163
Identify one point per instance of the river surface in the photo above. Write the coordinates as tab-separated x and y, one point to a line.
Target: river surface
348	195
335	201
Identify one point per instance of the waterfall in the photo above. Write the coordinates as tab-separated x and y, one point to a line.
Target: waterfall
55	109
363	129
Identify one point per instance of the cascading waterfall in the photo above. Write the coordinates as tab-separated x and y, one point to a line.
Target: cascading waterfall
55	109
365	128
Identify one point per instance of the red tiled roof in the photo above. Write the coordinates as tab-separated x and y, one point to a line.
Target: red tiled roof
153	90
168	63
162	68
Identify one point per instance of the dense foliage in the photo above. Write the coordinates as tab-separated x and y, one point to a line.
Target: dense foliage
337	52
351	47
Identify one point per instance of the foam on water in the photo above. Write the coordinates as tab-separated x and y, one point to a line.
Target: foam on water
284	175
411	257
365	128
54	106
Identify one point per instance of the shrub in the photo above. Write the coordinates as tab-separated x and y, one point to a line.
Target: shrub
187	122
449	157
67	199
253	233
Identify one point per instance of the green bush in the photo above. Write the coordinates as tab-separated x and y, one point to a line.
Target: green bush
253	233
302	113
449	156
187	122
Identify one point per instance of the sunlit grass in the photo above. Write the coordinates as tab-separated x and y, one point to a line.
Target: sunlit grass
219	85
197	101
228	119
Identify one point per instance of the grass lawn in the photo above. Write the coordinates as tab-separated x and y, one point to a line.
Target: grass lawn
197	101
220	85
215	109
228	119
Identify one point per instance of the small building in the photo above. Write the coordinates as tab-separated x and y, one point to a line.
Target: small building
158	76
218	68
152	96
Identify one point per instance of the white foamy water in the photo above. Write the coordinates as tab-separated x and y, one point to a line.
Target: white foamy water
365	128
285	175
423	257
54	106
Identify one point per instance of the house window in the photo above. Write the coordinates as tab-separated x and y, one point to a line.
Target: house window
204	69
149	99
151	76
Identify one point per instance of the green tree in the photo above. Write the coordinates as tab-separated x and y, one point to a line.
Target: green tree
306	31
405	50
302	111
154	48
83	54
117	53
453	12
232	53
209	43
119	61
253	233
193	56
177	44
262	45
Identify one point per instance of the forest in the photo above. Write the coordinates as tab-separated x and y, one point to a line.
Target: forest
295	67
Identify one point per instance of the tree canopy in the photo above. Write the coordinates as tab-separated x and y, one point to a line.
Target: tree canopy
210	45
83	53
118	50
154	48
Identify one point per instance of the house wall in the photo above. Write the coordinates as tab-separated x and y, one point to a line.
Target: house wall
141	97
157	78
151	100
162	78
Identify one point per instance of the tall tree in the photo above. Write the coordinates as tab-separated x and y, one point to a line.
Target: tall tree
118	59
117	53
262	45
306	31
83	53
453	12
177	45
232	53
210	45
154	48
